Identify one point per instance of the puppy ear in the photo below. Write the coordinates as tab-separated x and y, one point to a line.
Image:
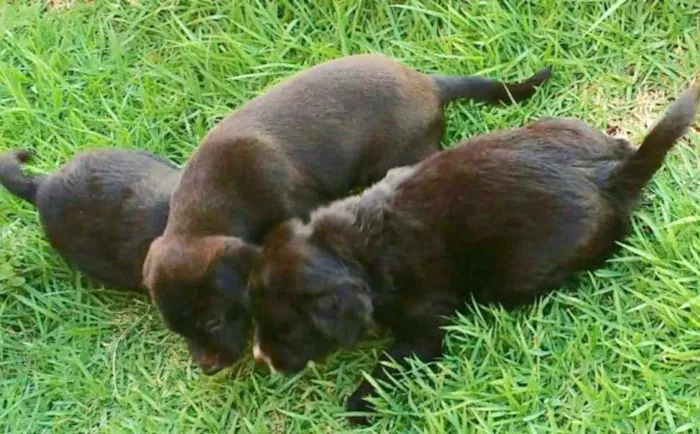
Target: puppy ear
230	271
343	315
147	272
247	255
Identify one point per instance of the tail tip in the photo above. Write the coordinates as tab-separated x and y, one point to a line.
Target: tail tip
694	91
20	156
24	155
541	76
686	105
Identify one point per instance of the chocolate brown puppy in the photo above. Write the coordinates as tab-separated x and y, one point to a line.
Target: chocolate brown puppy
504	218
101	211
307	141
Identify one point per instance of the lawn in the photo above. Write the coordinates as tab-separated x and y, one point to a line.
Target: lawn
619	351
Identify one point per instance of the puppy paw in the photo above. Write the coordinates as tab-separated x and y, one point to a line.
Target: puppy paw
357	403
359	421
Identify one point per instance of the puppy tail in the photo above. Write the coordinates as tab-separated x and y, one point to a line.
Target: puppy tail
14	179
452	87
627	180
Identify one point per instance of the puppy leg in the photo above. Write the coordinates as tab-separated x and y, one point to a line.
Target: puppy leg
426	347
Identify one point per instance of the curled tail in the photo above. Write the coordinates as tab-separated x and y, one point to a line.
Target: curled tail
14	179
627	180
452	87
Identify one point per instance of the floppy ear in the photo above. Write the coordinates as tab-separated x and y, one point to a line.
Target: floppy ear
230	271
147	277
343	315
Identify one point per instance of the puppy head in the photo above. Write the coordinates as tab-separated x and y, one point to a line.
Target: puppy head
307	299
199	287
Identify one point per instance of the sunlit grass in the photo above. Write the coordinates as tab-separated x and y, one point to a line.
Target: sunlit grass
617	352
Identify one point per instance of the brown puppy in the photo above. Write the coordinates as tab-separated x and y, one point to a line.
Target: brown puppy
101	210
504	218
308	140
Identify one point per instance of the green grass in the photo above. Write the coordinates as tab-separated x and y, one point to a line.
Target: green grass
620	352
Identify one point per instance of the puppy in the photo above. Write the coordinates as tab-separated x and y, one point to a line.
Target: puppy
504	218
307	141
101	210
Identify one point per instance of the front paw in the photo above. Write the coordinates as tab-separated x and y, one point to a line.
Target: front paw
357	403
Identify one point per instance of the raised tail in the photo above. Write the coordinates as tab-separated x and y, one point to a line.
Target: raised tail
452	87
14	179
627	180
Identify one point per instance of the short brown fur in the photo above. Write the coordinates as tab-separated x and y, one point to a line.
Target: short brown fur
101	210
503	218
307	141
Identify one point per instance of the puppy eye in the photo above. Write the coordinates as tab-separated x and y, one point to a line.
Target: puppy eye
327	302
214	324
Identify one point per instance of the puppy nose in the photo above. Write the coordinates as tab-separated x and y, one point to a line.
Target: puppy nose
210	365
211	369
